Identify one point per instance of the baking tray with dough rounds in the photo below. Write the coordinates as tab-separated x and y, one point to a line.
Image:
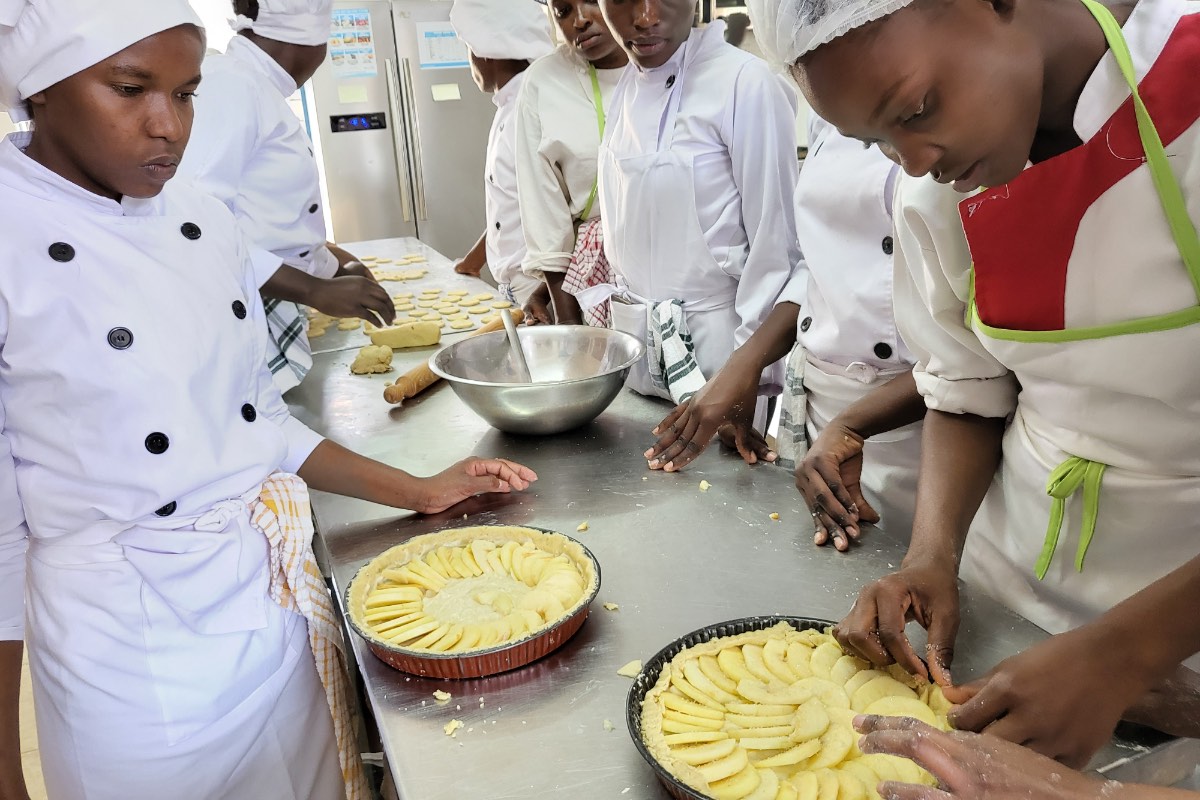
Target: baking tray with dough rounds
474	601
761	725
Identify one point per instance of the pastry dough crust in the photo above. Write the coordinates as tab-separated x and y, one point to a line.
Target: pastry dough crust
470	589
769	714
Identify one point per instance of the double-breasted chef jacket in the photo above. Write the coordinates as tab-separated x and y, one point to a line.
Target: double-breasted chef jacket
137	419
847	342
697	175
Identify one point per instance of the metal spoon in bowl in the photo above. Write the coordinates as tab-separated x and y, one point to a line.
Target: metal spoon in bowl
514	343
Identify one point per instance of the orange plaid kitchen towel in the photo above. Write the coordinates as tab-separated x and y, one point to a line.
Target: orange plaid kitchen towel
284	516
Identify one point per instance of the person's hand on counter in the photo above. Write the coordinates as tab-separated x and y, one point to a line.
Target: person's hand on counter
1063	697
923	591
537	309
469	478
334	469
829	481
475	260
353	296
725	407
970	766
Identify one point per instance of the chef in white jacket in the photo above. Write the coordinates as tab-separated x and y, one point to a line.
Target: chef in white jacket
250	151
561	116
503	37
697	173
1056	341
147	461
850	422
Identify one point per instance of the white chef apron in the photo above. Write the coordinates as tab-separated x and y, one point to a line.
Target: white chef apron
891	460
659	250
1128	520
187	678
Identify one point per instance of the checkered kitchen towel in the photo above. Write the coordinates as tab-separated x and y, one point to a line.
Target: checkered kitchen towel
283	515
590	267
672	358
791	443
288	354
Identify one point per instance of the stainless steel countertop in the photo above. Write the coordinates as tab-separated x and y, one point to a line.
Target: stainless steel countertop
674	558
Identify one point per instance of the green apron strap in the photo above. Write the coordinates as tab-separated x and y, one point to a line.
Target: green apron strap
598	100
1067	479
1169	193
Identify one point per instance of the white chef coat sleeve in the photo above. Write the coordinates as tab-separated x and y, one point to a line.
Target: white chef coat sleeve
546	216
324	263
263	264
954	371
14	538
301	439
761	136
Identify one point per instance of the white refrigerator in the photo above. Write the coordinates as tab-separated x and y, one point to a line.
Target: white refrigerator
403	128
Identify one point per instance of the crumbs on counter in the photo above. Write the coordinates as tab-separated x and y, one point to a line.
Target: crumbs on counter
631	670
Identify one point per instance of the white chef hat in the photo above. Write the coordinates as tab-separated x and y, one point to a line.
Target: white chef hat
788	29
507	29
43	42
306	22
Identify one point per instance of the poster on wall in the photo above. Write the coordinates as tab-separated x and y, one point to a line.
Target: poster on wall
439	46
352	44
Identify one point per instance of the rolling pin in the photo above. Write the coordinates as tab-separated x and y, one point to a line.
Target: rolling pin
420	378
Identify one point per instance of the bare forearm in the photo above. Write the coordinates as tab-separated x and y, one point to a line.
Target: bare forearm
332	468
477	256
895	404
772	341
289	283
566	307
12	784
959	457
1154	627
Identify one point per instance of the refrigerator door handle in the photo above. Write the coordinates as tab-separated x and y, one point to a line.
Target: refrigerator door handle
414	137
400	143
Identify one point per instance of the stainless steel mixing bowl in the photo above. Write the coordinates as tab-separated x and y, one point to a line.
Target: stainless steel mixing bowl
577	371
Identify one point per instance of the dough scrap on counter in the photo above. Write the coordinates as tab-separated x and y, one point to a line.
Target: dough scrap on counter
372	360
410	334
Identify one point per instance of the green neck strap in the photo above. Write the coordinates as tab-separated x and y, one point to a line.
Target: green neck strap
1169	193
1077	473
598	101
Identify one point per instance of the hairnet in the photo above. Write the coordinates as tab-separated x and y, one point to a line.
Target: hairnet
788	29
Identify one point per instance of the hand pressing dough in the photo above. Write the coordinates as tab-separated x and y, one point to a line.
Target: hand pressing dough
412	334
349	324
372	360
